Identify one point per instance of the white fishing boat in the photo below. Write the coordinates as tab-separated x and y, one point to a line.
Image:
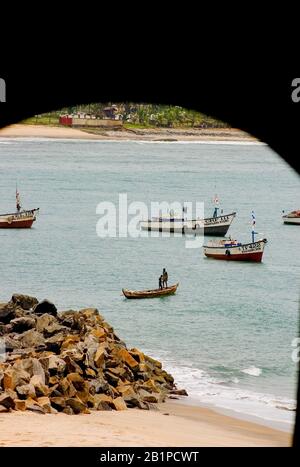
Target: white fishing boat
217	226
292	217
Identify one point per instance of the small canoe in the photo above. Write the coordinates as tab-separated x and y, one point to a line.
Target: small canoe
150	293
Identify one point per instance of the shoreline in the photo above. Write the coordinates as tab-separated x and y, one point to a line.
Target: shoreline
148	134
173	424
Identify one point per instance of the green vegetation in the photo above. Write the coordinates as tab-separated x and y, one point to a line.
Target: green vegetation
136	116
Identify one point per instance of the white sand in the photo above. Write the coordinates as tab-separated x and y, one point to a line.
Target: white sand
184	426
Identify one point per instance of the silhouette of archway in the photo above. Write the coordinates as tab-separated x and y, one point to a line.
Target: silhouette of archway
261	106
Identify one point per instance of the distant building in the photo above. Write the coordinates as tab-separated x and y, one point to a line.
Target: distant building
110	112
89	121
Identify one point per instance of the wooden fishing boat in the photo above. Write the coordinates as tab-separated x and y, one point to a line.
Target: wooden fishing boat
18	220
214	226
292	218
150	293
21	219
232	250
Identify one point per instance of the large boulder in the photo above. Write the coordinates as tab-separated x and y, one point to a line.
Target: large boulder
22	324
45	307
31	338
24	301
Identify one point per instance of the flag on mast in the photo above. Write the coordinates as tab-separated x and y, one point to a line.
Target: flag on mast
253	226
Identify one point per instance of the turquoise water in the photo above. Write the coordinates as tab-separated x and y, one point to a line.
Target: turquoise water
227	334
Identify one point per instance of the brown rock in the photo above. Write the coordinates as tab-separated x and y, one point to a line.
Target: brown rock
76	405
33	406
43	321
15	377
99	385
154	362
137	355
70	341
24	301
90	372
72	366
66	388
119	404
54	343
31	338
41	389
68	411
3	409
100	356
58	403
44	403
45	307
179	392
55	364
125	356
20	404
7	400
99	332
22	324
7	311
25	391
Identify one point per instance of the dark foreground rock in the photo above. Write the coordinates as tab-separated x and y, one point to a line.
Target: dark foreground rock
72	362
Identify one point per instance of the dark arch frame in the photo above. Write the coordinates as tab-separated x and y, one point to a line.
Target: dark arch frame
260	105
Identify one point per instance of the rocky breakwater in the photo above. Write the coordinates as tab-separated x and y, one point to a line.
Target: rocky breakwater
72	362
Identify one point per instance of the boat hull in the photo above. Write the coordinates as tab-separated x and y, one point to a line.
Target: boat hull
133	294
243	252
291	220
213	226
19	220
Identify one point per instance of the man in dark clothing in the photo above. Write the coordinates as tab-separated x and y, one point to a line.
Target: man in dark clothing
165	278
160	282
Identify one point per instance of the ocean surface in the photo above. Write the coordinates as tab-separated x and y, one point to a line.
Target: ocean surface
227	334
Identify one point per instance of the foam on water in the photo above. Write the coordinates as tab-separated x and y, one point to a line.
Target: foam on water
252	371
226	394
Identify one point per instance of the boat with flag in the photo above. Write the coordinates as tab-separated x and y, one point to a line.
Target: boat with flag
21	219
216	225
233	250
292	217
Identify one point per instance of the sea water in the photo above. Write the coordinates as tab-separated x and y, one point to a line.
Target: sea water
227	336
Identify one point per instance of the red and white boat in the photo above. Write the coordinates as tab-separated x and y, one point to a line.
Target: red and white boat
21	219
292	218
232	250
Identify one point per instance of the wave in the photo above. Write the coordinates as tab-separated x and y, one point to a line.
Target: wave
226	393
252	371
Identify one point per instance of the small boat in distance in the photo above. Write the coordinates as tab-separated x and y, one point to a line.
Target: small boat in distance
21	219
232	250
150	293
292	217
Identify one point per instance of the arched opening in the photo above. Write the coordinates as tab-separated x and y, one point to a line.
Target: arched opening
175	167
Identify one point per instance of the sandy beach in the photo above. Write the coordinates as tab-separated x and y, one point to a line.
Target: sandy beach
172	425
153	134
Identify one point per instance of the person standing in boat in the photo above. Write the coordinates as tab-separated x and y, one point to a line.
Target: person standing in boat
165	278
160	282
